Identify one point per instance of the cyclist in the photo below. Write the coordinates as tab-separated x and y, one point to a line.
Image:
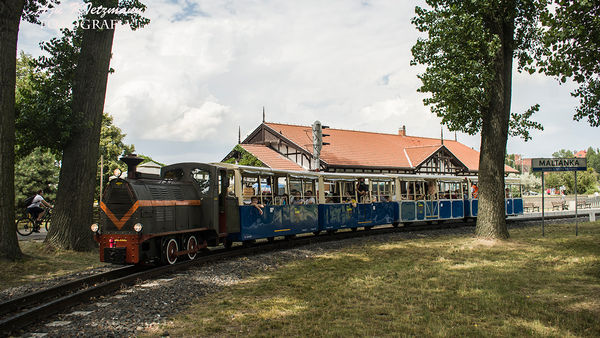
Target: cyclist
35	210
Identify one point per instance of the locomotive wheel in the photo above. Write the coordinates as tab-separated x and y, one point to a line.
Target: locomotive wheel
369	227
331	232
395	224
353	229
170	251
316	233
227	243
192	245
271	239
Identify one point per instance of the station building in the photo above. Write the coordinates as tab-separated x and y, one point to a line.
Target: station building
290	147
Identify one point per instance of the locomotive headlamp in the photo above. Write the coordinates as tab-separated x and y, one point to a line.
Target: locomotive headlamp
94	227
138	227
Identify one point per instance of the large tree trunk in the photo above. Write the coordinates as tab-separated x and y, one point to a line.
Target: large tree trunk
10	16
74	201
491	221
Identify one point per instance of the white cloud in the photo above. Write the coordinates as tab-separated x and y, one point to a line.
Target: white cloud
200	69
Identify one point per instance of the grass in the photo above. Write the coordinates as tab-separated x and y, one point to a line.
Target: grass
40	264
447	286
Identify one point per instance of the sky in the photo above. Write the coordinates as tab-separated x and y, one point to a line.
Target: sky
200	70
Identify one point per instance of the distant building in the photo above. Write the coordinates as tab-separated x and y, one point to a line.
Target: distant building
581	154
290	147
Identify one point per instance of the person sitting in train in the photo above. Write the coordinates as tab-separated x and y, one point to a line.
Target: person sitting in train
432	190
349	199
308	198
254	202
362	189
296	198
507	193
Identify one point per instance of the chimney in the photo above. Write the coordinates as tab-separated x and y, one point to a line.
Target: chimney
402	132
132	161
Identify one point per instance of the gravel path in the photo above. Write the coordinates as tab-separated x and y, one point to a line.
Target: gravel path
146	305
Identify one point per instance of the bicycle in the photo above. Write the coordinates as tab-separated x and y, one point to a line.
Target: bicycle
27	224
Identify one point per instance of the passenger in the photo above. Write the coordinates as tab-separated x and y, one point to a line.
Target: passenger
284	199
362	189
254	202
296	198
507	193
308	198
432	191
474	190
349	199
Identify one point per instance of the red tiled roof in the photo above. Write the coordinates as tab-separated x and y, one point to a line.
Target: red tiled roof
369	149
270	157
581	154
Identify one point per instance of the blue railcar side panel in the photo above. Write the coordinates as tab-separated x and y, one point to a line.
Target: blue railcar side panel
408	211
337	216
432	210
420	210
384	212
518	206
276	221
509	206
458	209
474	207
467	207
363	217
445	209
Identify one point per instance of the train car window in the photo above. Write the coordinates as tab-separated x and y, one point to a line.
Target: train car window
281	197
173	175
202	177
515	190
248	188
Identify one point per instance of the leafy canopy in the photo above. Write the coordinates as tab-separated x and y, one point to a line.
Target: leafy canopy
459	54
570	49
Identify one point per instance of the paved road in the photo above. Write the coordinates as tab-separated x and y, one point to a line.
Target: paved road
36	236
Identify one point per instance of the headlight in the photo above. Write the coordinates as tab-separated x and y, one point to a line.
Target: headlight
138	227
94	227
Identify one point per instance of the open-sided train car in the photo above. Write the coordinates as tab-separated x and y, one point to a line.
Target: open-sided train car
190	206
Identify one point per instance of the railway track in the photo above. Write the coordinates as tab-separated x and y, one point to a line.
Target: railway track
16	314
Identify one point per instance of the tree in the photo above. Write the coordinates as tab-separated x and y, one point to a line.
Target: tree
244	158
570	49
38	170
469	59
563	153
593	159
111	148
74	201
10	17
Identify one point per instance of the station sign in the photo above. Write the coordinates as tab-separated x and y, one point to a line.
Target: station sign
558	164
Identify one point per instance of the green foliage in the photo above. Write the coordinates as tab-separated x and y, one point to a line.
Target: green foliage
563	154
45	86
530	182
509	160
593	159
245	158
570	49
460	53
587	181
111	148
33	8
38	170
44	94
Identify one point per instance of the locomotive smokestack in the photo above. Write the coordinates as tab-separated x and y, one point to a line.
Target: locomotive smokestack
132	161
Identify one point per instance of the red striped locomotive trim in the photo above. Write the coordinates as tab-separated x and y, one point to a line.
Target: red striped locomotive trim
119	223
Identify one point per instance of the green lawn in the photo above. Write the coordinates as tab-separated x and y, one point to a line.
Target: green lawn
39	264
446	286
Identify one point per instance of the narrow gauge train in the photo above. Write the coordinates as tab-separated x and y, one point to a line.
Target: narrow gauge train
190	206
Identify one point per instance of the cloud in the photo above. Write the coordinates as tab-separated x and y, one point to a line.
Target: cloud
200	69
